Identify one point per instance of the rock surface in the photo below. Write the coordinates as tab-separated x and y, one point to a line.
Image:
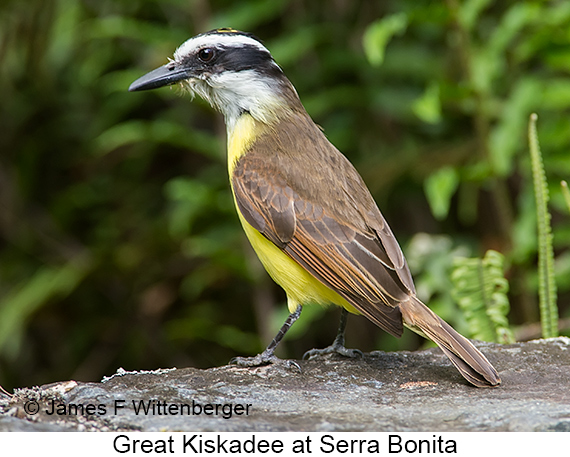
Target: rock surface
400	391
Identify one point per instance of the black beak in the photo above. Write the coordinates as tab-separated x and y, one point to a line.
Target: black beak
166	75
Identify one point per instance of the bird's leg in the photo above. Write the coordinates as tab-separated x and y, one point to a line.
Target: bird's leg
338	344
268	356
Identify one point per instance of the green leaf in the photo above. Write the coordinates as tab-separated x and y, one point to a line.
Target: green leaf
525	95
546	277
428	106
481	290
489	61
439	189
470	11
379	34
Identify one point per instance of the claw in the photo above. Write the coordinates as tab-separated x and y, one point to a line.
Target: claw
333	349
264	359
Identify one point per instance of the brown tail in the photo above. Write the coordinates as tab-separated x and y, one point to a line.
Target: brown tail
472	365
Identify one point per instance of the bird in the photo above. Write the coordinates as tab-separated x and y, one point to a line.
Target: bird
305	209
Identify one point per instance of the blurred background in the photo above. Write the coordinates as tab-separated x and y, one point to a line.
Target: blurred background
119	243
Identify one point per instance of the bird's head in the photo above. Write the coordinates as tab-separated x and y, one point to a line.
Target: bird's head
232	71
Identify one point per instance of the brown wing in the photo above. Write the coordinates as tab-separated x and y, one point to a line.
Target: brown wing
334	243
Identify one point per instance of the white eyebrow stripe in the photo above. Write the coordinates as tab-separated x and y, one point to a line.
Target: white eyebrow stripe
235	40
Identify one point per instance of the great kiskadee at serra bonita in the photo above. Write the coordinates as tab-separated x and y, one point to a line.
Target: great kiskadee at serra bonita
303	206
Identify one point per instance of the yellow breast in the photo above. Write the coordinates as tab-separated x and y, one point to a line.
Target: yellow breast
241	137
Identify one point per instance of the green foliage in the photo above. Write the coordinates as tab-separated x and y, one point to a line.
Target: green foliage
546	279
480	288
428	106
379	33
119	243
46	284
439	188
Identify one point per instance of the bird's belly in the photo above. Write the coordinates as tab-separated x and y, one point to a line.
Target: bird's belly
299	285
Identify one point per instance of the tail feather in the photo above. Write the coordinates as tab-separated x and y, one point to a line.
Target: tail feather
468	360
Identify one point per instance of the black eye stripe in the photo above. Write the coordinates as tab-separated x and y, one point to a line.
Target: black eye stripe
222	57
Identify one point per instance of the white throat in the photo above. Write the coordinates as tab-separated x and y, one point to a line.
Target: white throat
233	93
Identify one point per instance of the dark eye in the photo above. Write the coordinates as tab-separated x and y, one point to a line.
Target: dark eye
206	54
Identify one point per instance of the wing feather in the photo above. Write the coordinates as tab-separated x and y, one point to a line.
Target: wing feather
353	262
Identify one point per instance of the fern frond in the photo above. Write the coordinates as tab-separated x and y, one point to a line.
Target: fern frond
480	289
546	279
565	193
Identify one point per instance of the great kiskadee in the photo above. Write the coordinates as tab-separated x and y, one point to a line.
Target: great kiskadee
303	206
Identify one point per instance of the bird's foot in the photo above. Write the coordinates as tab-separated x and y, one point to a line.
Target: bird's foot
265	358
335	348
